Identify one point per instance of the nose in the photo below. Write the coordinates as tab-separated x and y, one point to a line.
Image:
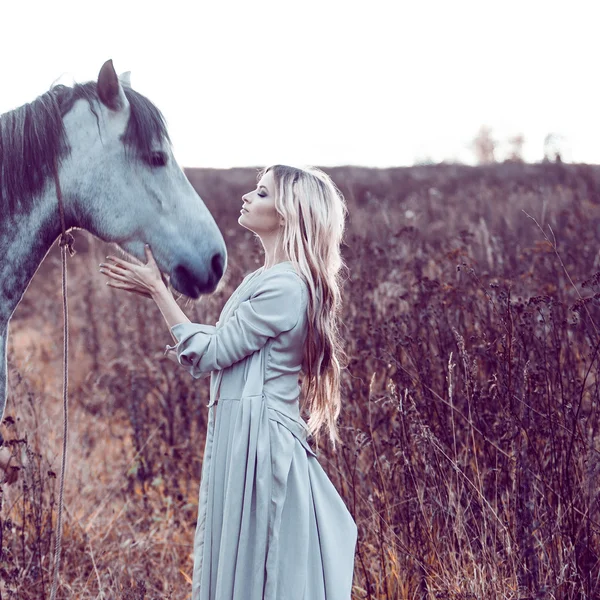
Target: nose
217	264
215	271
191	281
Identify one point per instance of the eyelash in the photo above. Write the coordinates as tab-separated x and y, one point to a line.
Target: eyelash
261	195
156	159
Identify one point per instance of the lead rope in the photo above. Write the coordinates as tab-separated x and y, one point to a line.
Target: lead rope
65	243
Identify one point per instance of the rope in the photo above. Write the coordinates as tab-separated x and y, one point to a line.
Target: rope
58	546
65	243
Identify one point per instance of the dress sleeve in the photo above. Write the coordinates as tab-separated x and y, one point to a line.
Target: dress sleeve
275	307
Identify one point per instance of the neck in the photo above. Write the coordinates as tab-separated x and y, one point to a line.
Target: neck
25	239
273	252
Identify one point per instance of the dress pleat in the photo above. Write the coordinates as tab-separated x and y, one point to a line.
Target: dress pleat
294	533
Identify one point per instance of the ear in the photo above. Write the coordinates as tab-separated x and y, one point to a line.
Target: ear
110	90
125	78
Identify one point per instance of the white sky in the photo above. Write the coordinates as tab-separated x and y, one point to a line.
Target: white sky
326	82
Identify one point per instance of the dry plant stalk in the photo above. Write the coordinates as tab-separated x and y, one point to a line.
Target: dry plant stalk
471	418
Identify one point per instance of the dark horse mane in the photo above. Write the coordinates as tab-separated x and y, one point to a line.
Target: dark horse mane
33	140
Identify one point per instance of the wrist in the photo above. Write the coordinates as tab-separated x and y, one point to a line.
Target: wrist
159	291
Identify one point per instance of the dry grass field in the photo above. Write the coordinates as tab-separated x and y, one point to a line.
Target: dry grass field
471	456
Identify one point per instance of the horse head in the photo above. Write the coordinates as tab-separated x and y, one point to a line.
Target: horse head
121	182
106	147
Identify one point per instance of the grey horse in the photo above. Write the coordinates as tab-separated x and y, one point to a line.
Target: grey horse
111	150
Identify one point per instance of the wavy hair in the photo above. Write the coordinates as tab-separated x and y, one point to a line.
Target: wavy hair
314	213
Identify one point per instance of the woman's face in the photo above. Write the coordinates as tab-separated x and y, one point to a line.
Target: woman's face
258	213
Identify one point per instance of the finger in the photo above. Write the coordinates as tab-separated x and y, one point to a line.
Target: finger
151	262
149	255
124	286
118	285
116	269
107	271
134	279
129	288
116	276
115	259
121	262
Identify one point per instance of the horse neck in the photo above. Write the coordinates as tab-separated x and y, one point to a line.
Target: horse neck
25	238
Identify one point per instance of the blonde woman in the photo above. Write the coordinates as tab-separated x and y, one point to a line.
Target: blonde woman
271	525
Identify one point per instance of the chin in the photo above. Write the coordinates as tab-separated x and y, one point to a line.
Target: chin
244	225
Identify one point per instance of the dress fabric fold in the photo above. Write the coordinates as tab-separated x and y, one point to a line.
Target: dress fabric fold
271	524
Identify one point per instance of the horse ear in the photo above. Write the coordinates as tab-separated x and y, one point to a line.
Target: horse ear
110	91
125	78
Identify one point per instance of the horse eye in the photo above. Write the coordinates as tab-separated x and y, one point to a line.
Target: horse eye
156	159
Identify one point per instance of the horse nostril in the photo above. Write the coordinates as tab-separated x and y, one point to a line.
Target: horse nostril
199	279
217	264
188	282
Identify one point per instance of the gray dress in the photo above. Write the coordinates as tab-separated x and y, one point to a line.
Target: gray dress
271	524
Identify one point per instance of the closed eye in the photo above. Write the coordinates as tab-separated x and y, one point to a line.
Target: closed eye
156	159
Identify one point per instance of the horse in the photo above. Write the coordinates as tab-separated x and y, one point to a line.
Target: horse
110	149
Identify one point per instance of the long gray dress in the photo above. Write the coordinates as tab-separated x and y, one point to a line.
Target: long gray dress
271	524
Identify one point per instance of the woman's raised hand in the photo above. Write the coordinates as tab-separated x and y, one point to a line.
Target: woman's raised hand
145	280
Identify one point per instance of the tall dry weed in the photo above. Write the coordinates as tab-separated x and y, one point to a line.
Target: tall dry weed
471	454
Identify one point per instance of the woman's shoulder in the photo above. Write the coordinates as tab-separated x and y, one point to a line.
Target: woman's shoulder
283	274
281	282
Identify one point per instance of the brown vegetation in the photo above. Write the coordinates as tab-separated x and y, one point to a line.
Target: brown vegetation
471	445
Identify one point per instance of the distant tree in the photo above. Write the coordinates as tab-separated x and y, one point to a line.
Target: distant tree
516	148
424	160
484	146
553	144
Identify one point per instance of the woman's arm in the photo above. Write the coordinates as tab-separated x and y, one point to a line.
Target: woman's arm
275	306
170	310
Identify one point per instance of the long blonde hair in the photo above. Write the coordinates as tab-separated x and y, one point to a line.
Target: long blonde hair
314	213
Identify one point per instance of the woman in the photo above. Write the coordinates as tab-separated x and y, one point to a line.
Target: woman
270	522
